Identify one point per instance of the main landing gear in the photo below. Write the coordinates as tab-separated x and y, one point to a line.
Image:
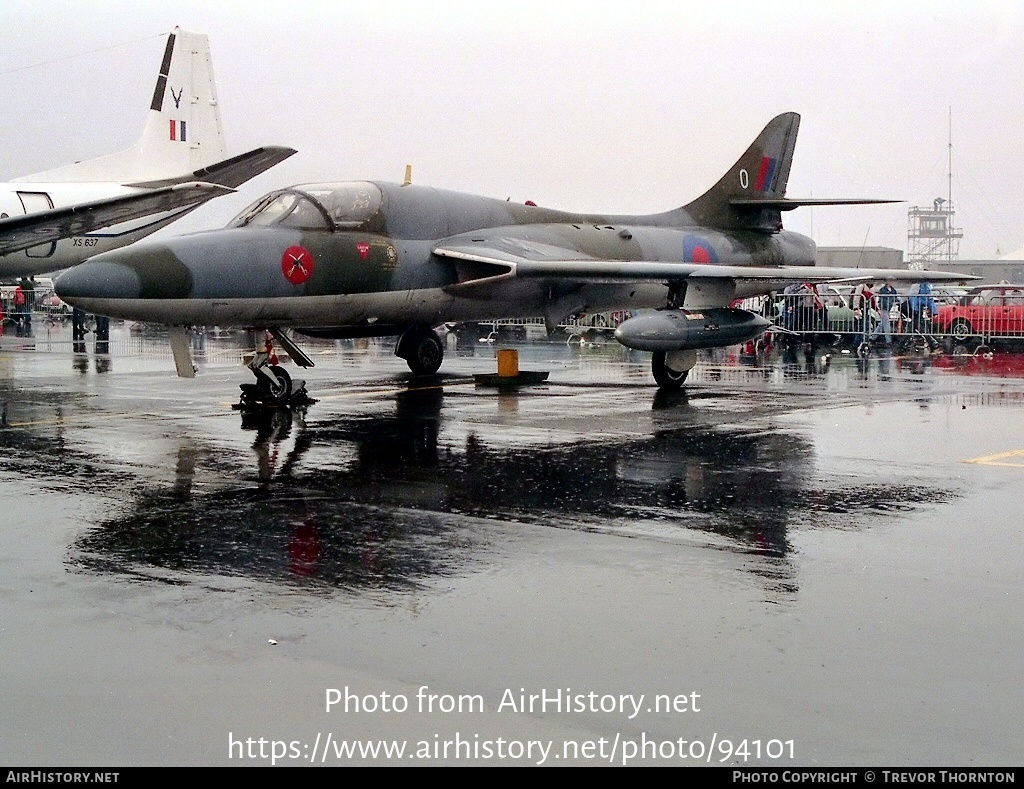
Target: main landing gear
422	350
274	387
670	368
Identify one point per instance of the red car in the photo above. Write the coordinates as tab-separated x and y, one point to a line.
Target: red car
983	313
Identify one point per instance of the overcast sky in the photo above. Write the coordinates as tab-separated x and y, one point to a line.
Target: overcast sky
591	106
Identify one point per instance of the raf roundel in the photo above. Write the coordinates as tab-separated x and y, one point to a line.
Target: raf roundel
698	250
297	264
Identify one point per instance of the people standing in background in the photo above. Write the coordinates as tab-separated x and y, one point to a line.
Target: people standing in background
28	286
18	304
863	301
886	298
923	310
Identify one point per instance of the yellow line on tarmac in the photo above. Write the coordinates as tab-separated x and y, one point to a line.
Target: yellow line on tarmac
1000	459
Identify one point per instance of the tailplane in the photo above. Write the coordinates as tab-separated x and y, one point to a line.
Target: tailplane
182	133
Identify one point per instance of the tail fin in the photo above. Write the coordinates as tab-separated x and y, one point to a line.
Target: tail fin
182	133
749	195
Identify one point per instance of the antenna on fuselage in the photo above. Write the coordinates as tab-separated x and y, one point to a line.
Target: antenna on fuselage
408	175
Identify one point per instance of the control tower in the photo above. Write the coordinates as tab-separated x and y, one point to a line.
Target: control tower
931	236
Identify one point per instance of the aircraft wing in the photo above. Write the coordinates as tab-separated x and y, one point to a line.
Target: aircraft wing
479	267
21	232
231	172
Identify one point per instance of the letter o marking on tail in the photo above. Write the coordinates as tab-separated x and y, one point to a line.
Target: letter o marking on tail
297	264
744	179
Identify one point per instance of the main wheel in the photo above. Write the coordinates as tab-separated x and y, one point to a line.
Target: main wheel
275	392
427	354
961	330
667	377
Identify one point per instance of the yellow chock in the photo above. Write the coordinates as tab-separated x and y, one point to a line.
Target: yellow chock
508	363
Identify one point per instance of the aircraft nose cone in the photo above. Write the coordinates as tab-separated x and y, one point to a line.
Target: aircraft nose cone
97	279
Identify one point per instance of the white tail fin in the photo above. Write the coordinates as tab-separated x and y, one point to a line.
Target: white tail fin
183	130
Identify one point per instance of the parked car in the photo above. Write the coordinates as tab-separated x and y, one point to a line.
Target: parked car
984	313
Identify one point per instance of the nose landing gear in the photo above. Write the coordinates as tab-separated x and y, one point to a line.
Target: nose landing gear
274	387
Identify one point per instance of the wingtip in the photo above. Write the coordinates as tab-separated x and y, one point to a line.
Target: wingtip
279	152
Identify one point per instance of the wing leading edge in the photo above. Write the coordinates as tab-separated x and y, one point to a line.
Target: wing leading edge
231	172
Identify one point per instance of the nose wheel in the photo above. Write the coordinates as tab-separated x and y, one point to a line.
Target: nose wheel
274	387
274	383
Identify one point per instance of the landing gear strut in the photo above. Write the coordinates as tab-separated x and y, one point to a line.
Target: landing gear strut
422	350
670	368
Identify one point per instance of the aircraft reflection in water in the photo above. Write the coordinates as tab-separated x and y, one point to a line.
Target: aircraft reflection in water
404	506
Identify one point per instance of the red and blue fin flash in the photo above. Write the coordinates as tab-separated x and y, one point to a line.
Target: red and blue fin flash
765	173
178	131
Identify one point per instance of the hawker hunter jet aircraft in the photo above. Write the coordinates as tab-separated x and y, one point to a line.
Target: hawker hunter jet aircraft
55	219
376	259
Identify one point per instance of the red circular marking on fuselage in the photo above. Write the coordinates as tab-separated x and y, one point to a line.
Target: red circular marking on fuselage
297	264
700	255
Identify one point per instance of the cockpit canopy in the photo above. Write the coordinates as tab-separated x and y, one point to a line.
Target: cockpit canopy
349	206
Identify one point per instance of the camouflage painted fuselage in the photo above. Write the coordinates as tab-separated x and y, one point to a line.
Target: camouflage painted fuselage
385	271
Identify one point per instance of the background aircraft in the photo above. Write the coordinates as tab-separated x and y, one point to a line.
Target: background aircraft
362	259
50	220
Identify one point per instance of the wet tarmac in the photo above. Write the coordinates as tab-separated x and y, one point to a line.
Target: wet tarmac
800	561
